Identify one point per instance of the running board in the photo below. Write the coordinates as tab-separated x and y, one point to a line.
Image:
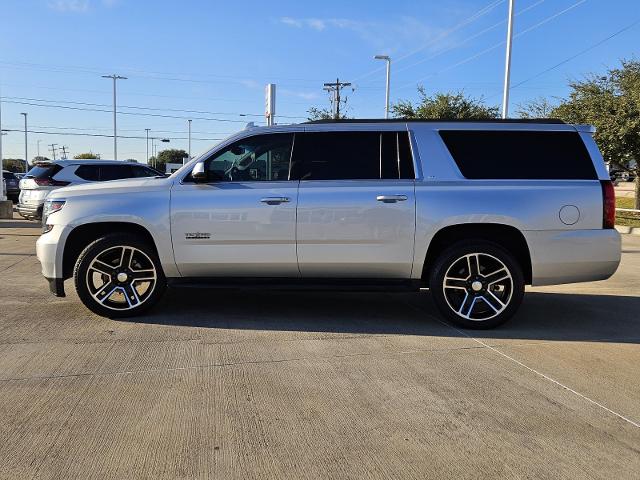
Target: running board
277	283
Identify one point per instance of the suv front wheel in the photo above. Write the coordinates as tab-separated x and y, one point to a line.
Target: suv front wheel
477	284
119	275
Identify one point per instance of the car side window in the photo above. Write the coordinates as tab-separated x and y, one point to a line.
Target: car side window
358	155
252	159
139	172
90	173
115	172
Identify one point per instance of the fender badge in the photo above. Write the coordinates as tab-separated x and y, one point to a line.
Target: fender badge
197	236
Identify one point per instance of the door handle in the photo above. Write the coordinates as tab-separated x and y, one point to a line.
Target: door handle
391	198
275	200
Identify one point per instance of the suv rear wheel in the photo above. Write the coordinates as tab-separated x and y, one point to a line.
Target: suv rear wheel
119	275
477	284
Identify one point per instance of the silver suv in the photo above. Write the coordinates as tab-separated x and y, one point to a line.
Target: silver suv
45	177
474	211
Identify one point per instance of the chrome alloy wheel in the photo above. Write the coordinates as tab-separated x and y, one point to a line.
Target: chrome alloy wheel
121	277
478	286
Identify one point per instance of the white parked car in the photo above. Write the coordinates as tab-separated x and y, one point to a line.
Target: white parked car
48	176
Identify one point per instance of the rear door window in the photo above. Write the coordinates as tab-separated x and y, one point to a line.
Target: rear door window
519	154
352	156
90	173
115	172
139	172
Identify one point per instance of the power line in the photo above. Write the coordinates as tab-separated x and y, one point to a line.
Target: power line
208	119
581	52
102	135
479	14
133	107
497	45
468	39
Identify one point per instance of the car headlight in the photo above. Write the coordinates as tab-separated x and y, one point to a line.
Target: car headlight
52	206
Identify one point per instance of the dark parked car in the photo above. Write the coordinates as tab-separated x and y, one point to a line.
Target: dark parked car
11	185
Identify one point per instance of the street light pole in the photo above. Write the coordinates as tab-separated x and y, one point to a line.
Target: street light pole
387	58
26	158
115	134
189	152
507	67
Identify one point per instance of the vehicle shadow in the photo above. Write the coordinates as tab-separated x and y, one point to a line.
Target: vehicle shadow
543	316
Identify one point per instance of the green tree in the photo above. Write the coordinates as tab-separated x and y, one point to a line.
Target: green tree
171	155
315	113
445	106
87	156
13	164
537	108
611	103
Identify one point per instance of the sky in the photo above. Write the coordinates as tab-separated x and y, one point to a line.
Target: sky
209	61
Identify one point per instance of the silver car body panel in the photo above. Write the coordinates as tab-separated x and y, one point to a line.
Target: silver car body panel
338	228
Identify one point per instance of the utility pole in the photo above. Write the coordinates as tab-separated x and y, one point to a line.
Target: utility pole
64	152
115	133
53	150
26	158
147	130
507	67
3	196
39	147
334	89
387	58
189	151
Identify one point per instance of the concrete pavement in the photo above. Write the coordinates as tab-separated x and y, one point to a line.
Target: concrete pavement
251	384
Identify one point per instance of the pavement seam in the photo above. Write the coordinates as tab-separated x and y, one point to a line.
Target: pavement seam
533	370
231	364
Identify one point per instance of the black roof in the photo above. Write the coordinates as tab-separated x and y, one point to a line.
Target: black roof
454	120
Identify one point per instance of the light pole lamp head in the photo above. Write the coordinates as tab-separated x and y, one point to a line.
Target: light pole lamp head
382	57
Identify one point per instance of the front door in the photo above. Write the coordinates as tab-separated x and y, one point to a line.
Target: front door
356	204
242	221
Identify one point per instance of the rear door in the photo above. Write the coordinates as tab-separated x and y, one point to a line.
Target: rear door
356	204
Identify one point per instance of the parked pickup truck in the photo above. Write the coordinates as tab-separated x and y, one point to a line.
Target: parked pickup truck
473	211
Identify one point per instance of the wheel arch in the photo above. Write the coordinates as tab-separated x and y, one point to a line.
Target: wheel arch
507	236
83	235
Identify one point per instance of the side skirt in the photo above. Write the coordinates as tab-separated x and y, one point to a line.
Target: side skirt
328	284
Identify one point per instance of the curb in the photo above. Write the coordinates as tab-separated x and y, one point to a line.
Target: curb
628	230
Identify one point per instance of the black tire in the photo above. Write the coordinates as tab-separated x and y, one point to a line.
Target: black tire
89	271
459	301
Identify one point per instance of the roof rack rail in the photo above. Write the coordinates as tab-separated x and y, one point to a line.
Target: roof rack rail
454	120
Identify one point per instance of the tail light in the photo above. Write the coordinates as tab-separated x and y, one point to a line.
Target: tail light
608	204
49	182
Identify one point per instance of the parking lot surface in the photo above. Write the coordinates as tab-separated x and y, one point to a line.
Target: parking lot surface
249	384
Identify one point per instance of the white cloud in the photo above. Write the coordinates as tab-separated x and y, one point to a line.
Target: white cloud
78	6
298	94
389	36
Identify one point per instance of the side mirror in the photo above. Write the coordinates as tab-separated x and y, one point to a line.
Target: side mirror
199	174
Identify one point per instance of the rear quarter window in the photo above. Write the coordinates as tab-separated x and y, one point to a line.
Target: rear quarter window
519	155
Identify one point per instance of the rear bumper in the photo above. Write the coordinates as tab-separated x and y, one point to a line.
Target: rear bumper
568	256
31	210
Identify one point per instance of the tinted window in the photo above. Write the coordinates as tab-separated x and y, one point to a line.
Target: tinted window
115	172
257	158
519	155
44	171
143	172
90	173
352	156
